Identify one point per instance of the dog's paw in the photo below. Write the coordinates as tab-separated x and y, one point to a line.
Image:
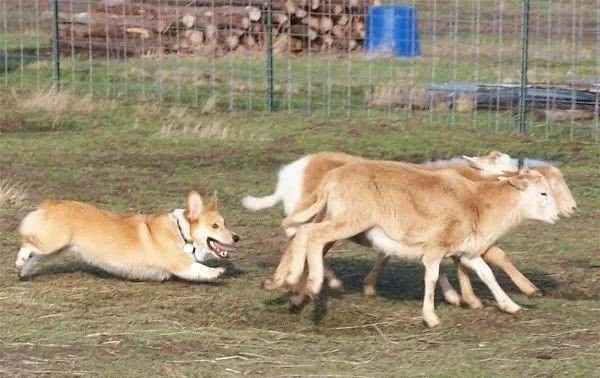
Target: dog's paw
215	273
19	262
22	257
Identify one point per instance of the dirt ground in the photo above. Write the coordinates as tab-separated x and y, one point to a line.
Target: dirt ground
73	320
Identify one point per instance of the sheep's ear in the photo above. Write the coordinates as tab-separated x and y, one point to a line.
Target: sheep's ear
518	182
534	173
194	206
473	161
214	202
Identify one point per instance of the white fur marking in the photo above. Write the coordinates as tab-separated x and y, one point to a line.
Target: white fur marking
288	189
290	184
391	247
23	255
450	295
487	276
259	203
199	272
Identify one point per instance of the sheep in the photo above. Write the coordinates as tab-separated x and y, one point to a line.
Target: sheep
413	213
494	255
297	179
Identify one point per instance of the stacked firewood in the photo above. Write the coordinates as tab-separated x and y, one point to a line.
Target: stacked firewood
135	27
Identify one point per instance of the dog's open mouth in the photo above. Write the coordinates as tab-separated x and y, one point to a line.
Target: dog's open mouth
219	249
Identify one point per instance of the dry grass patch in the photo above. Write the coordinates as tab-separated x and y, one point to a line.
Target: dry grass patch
12	194
47	101
210	105
181	123
56	103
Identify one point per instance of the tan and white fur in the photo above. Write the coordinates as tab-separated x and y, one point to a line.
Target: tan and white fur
428	214
300	177
152	247
297	179
494	255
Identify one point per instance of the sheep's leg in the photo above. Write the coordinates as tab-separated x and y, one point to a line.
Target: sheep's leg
300	293
369	290
498	258
333	282
487	276
432	271
373	277
278	278
314	237
466	290
450	294
298	255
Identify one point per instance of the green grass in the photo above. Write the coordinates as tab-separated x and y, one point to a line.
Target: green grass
73	320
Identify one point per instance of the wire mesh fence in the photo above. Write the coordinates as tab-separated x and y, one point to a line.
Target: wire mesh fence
463	65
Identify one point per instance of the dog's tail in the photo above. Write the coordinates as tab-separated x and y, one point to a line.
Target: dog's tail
259	203
318	200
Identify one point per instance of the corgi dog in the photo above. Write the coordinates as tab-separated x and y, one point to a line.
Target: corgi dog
152	247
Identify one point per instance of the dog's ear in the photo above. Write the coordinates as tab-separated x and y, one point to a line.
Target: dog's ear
194	206
214	202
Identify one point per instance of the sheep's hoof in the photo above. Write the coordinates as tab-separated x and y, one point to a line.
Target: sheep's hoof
511	308
432	321
473	303
335	284
270	284
369	291
452	297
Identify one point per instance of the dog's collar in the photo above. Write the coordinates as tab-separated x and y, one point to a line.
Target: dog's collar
188	247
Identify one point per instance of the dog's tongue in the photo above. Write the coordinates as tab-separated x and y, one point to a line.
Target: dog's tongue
221	249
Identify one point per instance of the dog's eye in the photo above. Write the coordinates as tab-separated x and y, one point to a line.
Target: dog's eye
544	194
215	225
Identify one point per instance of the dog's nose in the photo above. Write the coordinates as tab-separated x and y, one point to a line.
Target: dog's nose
236	238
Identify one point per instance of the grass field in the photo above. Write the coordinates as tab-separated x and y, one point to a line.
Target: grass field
72	320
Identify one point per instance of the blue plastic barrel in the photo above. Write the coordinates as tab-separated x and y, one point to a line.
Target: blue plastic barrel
392	29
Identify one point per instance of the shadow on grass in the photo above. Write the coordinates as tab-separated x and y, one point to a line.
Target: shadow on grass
57	268
402	280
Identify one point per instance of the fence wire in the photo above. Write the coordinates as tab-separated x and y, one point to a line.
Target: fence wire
213	54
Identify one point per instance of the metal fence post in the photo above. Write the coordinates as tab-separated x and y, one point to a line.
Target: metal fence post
270	55
55	46
524	67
